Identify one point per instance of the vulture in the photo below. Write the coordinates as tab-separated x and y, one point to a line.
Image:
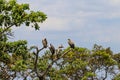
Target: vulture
71	43
44	42
52	49
61	46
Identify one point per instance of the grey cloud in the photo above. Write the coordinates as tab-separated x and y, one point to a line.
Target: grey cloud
83	20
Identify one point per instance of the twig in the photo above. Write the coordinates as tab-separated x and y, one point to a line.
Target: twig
50	65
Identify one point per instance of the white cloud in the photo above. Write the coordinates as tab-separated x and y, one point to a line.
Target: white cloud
112	15
87	20
114	2
53	23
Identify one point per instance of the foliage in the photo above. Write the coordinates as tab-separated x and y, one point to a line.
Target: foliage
18	61
14	14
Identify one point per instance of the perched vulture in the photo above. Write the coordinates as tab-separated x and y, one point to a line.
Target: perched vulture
61	46
52	49
71	44
44	42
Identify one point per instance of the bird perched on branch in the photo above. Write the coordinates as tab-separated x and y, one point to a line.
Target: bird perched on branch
71	43
52	49
44	42
61	46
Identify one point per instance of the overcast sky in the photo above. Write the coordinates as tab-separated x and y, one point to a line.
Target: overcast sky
86	22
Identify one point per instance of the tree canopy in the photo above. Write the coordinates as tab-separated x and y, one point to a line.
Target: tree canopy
20	61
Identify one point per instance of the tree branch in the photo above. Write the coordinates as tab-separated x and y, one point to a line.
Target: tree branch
36	60
106	71
50	65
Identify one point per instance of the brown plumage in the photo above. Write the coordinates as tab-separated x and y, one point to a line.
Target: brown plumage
52	49
44	42
71	43
61	46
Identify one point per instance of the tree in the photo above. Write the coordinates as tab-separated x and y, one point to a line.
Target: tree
13	55
18	61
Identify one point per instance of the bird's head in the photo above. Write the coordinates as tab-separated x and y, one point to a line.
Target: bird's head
68	39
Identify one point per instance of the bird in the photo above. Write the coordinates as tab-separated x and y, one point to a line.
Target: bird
44	42
52	49
61	46
71	43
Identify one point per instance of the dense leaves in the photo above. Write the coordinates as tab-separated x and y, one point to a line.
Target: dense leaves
14	14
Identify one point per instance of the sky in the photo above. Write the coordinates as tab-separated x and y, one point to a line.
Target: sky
86	22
